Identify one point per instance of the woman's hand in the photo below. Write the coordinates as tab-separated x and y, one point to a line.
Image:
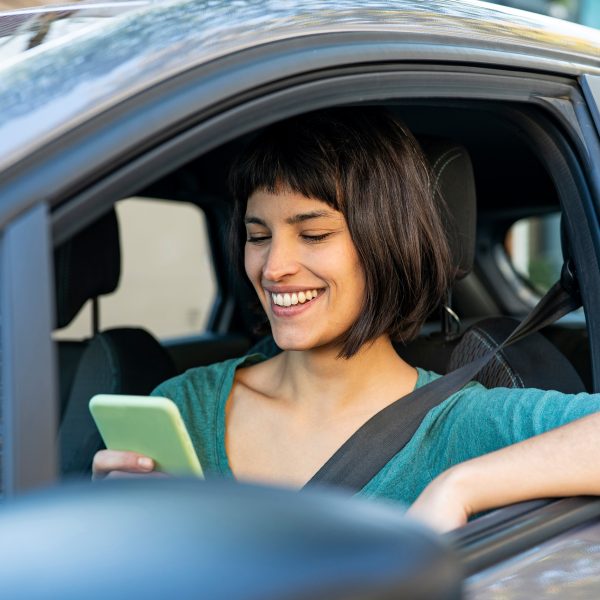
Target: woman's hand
117	463
442	504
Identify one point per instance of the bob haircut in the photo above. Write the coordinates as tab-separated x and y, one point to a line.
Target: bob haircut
364	163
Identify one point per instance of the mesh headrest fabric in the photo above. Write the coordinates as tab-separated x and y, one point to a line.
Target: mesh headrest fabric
533	362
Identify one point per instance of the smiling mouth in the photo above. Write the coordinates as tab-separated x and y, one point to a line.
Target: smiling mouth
294	298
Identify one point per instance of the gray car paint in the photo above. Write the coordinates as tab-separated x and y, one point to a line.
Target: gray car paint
49	90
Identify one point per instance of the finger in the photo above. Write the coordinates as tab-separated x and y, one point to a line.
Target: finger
129	475
106	461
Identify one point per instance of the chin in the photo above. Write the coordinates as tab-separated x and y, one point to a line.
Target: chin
297	344
292	341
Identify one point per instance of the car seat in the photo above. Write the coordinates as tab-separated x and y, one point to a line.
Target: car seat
114	361
532	362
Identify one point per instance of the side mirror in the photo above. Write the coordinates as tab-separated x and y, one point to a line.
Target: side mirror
216	540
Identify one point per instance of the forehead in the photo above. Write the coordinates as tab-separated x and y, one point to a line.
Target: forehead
287	204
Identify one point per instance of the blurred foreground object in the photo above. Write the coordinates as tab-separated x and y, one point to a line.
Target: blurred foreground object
187	539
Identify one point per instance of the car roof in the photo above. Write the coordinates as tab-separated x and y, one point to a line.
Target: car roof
68	80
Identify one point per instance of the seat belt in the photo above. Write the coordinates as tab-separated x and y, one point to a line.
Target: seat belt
385	434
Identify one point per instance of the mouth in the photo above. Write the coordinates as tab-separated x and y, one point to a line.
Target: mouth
293	302
293	298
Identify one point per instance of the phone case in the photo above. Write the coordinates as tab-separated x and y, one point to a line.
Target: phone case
149	425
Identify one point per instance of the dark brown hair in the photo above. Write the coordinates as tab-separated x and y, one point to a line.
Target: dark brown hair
367	165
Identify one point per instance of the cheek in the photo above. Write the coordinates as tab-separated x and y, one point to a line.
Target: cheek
353	278
252	264
358	285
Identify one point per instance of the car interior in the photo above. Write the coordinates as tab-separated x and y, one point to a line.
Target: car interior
486	172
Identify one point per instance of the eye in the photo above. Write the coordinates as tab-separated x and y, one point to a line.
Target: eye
257	239
312	239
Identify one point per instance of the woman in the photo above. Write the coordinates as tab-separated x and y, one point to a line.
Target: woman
346	252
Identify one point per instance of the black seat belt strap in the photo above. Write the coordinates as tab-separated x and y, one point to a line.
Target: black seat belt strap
374	444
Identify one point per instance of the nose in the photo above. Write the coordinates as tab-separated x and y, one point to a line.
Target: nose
280	260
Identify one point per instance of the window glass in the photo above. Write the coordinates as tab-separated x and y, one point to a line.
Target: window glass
534	248
167	283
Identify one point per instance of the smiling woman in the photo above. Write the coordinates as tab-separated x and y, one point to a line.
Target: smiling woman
346	250
358	178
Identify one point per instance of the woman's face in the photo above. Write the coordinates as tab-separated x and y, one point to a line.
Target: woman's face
304	268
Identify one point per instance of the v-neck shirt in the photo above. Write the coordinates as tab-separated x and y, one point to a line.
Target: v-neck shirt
469	423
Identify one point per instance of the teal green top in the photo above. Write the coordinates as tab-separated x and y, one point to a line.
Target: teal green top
472	422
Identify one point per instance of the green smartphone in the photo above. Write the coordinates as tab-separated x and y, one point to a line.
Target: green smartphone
150	425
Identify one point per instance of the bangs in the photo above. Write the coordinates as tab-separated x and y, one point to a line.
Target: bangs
289	157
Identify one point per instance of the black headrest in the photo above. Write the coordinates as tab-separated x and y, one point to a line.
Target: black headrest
86	266
454	182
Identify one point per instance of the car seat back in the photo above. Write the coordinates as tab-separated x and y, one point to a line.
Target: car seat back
532	362
116	361
86	266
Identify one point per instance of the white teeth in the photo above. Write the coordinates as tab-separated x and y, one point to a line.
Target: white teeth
293	298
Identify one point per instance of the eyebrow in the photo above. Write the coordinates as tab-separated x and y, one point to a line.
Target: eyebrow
299	218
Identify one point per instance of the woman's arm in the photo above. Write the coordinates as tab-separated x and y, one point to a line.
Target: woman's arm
561	462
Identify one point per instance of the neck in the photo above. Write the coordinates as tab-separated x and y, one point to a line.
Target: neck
323	383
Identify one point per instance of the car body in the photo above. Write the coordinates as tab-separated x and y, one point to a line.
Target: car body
134	105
